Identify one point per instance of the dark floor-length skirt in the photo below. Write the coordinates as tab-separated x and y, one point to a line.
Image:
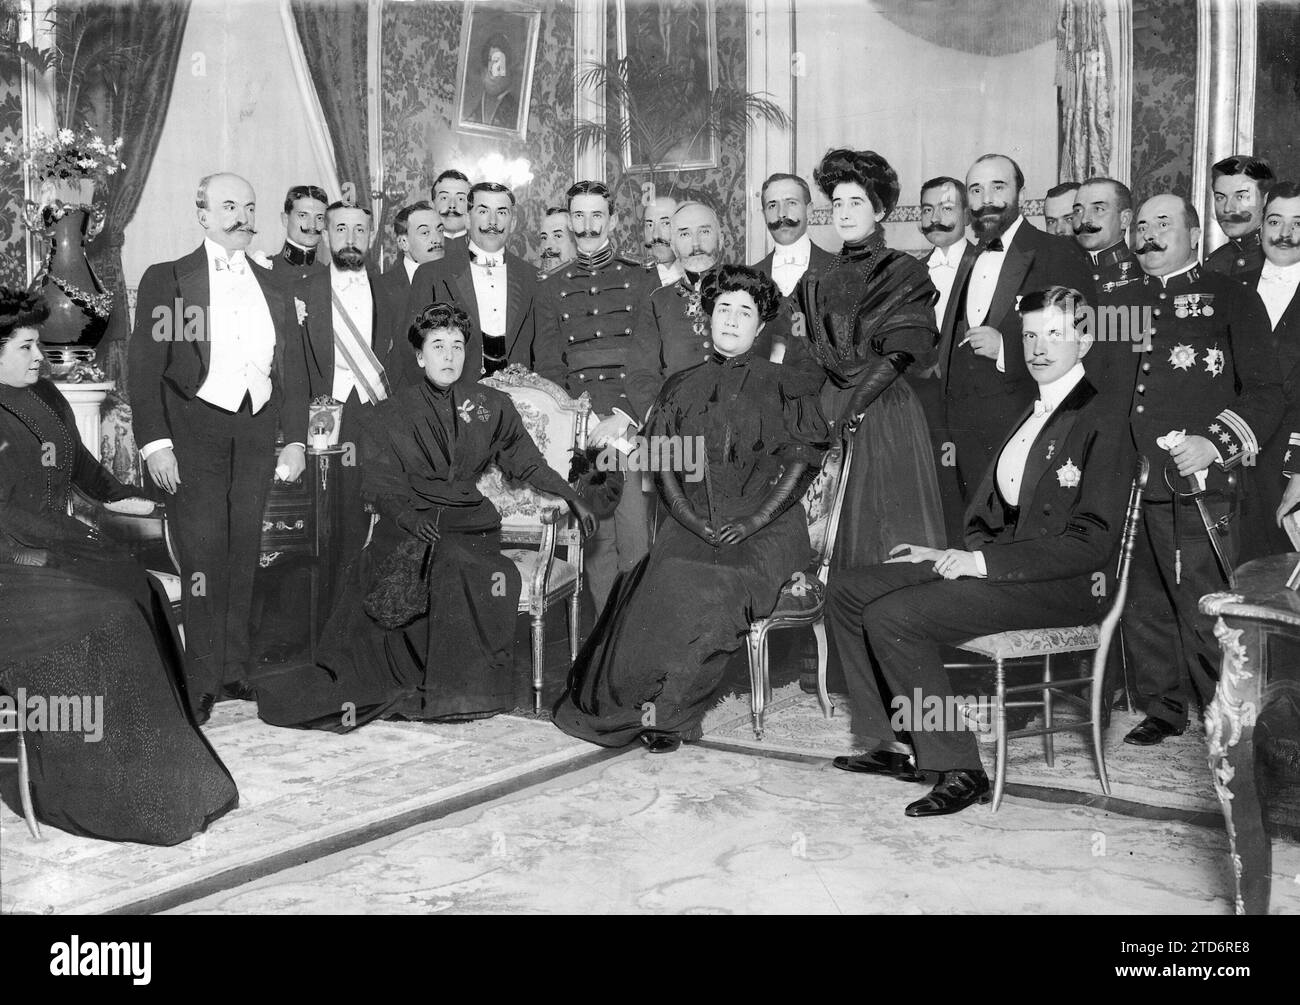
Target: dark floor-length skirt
659	651
457	662
150	777
893	493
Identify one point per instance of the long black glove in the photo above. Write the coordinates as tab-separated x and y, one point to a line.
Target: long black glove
874	381
681	509
788	491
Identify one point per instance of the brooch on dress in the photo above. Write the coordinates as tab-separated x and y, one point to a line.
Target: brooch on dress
476	407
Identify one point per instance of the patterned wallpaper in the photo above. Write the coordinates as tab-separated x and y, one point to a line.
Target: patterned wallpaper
723	187
13	255
1164	96
421	49
1277	87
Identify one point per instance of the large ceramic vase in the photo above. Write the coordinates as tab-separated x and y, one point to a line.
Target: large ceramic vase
78	310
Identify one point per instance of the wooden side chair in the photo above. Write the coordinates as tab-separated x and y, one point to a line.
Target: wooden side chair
558	425
1044	643
802	602
11	724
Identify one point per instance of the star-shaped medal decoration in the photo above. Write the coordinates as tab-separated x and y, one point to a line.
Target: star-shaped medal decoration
1214	361
1181	357
1068	475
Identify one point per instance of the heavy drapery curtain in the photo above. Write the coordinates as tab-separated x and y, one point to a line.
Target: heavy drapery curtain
334	43
1084	74
133	107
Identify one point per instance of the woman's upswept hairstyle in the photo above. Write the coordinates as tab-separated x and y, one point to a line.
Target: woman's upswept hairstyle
435	317
20	309
730	278
865	167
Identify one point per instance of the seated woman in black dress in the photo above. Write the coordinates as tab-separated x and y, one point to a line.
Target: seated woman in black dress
72	627
42	459
438	539
659	651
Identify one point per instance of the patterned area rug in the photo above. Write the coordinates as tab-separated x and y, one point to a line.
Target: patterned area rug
1174	775
710	831
296	788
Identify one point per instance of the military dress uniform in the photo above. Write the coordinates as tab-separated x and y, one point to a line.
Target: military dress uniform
672	334
586	313
1205	369
1238	256
292	264
1113	270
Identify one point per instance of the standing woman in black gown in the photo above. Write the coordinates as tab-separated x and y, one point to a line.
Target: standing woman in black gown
871	316
653	665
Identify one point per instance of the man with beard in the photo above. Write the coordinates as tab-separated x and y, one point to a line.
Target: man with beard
304	221
498	105
494	287
672	332
418	230
943	225
1103	215
206	411
1241	185
584	343
1058	209
355	353
986	384
1279	460
558	248
1202	398
451	201
657	239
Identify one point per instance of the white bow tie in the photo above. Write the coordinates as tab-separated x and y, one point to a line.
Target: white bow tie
792	260
1277	274
235	266
486	261
1040	408
347	280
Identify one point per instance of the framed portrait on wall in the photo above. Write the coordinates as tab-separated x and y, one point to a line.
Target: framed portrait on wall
669	52
494	80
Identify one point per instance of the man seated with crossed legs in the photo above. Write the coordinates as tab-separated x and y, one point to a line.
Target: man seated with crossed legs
1048	514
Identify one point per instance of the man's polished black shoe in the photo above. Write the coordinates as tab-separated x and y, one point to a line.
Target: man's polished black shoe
954	791
1151	731
882	762
204	710
659	743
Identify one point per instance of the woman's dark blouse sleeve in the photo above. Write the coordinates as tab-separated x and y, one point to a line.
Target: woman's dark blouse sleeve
908	325
807	434
518	456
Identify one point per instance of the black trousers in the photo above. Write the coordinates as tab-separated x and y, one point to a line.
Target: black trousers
226	464
1171	645
886	624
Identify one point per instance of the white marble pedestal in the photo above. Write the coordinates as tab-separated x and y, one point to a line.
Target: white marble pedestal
86	400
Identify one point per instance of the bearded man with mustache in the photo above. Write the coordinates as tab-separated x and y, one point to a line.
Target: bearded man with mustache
981	360
1241	185
352	331
216	369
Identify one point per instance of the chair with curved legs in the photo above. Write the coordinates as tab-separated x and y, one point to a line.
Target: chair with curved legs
802	602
